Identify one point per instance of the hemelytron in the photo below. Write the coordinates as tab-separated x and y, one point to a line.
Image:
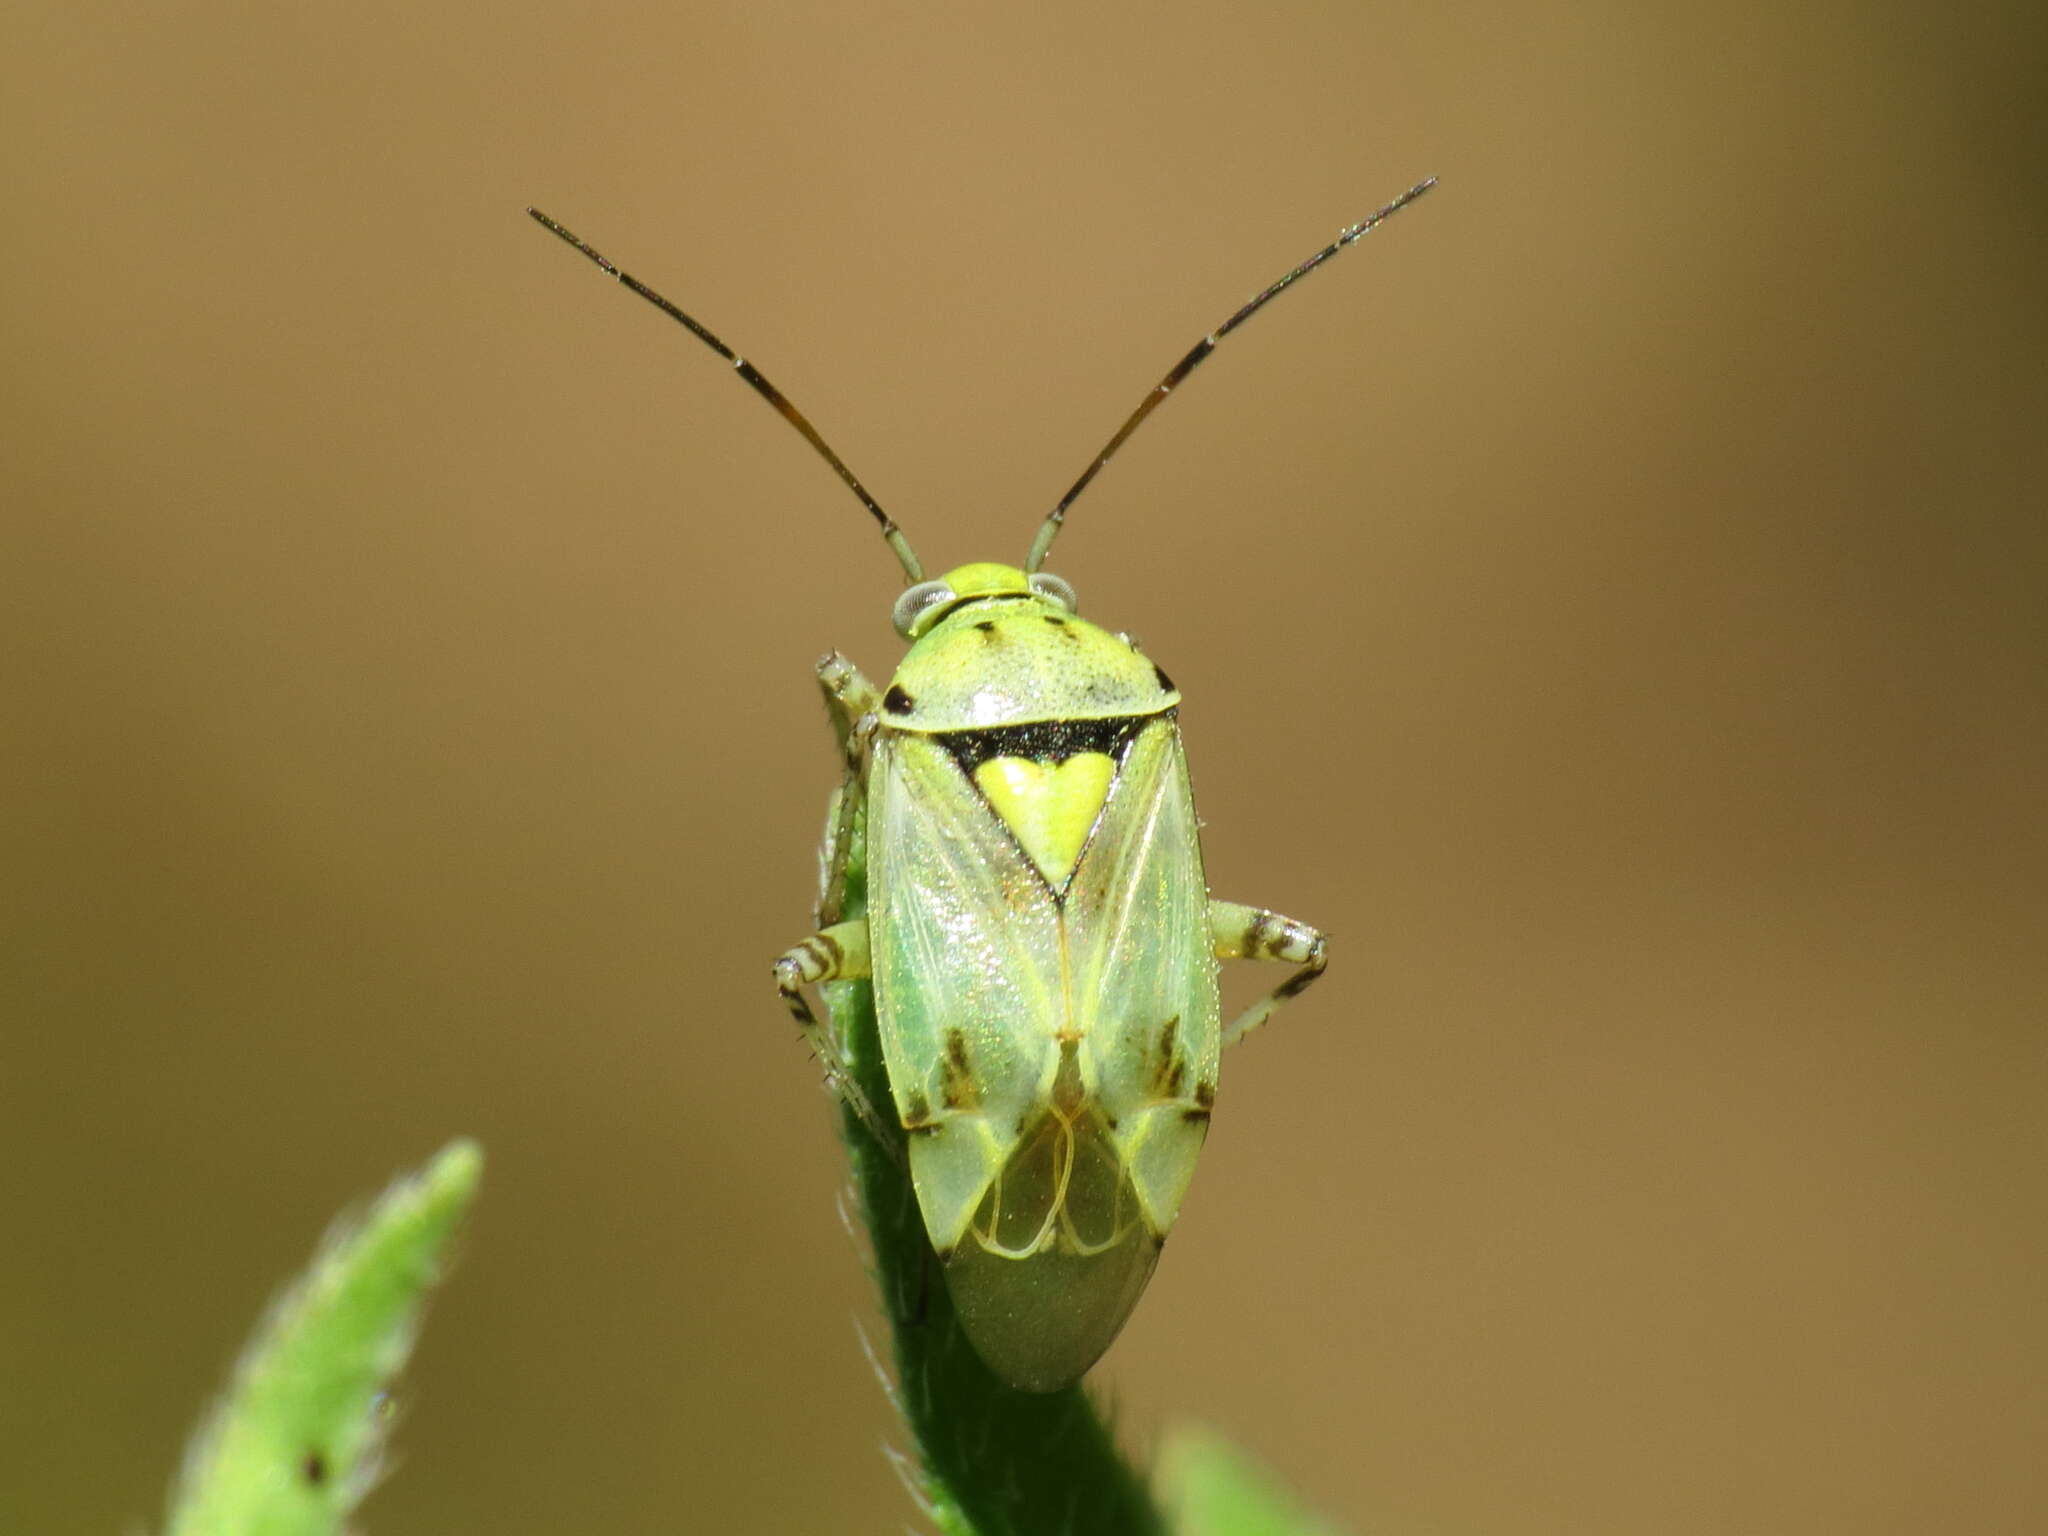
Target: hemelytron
1040	938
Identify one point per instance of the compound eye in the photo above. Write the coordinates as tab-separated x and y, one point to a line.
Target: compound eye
916	605
1045	584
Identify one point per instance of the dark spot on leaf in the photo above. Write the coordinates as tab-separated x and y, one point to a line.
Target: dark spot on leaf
897	702
314	1468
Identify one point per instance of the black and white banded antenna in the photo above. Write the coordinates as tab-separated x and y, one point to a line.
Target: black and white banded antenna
1049	529
758	382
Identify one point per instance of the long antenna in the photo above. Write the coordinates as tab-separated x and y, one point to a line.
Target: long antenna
912	570
1049	529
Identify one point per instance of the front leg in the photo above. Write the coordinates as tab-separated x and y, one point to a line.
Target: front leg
849	698
1253	933
838	953
851	701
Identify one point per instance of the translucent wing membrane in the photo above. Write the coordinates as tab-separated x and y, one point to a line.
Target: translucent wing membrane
966	944
1144	972
1051	1045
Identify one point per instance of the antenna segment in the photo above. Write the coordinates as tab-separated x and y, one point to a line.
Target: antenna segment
1049	529
758	382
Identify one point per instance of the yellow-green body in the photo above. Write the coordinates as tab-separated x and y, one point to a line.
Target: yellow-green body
1043	965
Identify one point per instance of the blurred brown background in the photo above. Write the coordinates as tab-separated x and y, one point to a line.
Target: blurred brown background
1610	599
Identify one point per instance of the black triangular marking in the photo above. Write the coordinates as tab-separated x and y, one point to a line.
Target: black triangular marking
1044	741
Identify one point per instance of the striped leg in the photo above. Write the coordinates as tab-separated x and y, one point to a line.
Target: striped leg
1253	933
838	953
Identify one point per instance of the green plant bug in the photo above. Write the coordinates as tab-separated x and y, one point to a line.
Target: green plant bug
1039	933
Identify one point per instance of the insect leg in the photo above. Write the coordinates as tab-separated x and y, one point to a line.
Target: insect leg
849	696
838	953
1253	933
851	701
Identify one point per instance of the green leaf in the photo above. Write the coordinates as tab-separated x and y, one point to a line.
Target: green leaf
293	1445
990	1460
1214	1490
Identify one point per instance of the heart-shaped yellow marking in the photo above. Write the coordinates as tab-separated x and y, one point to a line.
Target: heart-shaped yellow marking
1049	807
